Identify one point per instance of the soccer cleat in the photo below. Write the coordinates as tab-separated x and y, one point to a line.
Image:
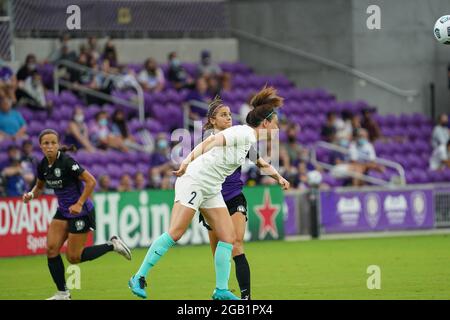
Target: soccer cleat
222	294
120	247
60	295
137	286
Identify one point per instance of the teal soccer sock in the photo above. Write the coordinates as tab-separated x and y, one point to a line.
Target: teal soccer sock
158	248
222	262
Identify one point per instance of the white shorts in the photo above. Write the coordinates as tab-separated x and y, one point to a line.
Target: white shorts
190	194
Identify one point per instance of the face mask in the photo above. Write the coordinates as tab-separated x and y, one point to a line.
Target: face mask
103	122
79	118
362	141
162	144
31	66
176	62
343	143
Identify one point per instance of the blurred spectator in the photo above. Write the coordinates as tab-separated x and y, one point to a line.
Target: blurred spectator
14	174
12	124
104	182
245	109
440	158
177	75
440	132
125	183
33	93
151	77
110	54
139	181
102	136
7	76
355	125
160	160
92	47
206	68
62	52
77	132
328	132
27	68
197	98
344	126
293	148
126	80
119	128
102	81
168	180
29	161
370	125
362	153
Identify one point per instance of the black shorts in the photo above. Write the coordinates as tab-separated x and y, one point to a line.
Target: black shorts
236	204
78	224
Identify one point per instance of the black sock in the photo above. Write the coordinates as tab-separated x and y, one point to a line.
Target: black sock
91	253
243	275
56	267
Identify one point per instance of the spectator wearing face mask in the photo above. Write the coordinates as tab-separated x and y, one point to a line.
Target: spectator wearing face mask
151	78
33	93
440	134
206	67
77	132
160	160
101	134
362	153
26	70
177	75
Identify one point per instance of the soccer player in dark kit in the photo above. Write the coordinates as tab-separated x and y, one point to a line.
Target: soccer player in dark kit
219	118
75	216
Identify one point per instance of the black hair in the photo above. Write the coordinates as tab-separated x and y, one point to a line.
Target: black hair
63	148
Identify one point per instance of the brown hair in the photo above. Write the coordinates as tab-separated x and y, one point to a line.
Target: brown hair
264	104
212	111
63	148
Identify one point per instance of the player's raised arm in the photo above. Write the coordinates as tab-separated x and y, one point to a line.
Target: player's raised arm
217	140
271	171
35	192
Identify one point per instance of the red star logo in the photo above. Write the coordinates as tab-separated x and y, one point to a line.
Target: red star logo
267	213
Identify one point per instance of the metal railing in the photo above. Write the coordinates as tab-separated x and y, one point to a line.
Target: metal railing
409	94
71	65
384	162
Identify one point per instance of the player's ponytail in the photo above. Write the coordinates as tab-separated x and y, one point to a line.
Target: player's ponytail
264	104
212	111
65	148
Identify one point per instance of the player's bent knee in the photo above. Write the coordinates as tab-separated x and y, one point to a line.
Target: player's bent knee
73	258
238	248
175	234
52	251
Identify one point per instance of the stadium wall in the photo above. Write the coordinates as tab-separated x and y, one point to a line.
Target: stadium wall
137	50
403	53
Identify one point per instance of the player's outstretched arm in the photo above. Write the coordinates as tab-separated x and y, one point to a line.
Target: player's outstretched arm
217	140
35	192
267	168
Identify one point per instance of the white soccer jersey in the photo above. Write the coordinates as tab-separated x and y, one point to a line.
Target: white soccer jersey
211	169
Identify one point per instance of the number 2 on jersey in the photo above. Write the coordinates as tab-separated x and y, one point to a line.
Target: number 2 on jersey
195	194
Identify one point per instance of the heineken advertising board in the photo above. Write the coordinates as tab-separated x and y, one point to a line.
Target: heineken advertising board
139	217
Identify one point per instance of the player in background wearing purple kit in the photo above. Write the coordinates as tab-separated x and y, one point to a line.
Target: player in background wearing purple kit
219	118
75	215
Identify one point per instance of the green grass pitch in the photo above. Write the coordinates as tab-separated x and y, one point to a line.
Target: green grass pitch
412	267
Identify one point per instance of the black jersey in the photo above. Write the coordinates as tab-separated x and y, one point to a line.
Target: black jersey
63	178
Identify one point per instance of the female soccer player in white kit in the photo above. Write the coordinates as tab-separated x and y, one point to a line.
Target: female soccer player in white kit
199	185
